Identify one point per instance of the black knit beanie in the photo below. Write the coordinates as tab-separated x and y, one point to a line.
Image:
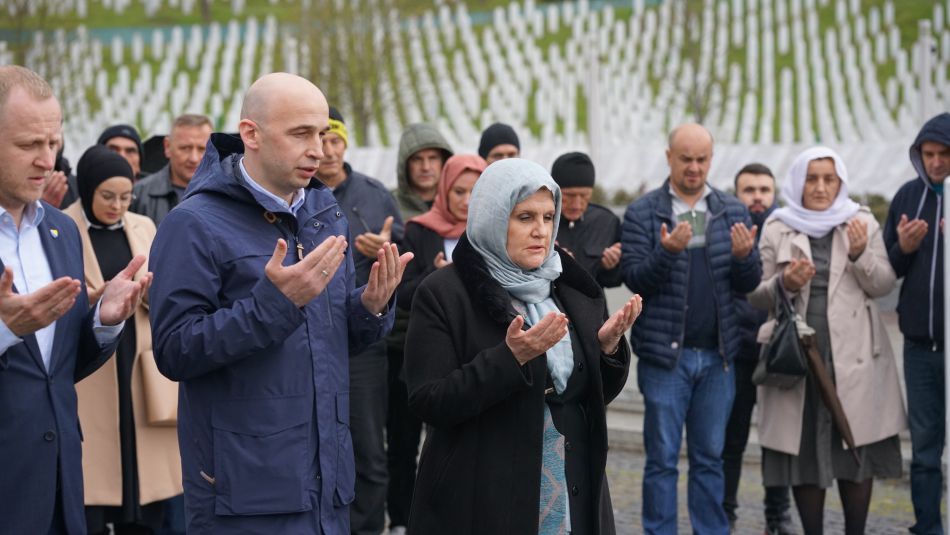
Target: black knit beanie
122	130
573	170
497	134
97	165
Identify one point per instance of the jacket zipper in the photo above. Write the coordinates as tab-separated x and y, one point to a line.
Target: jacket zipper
722	347
682	337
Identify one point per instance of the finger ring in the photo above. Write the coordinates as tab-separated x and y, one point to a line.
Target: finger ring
325	273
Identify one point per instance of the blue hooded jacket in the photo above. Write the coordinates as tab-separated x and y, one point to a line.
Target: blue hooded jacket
263	417
920	308
662	277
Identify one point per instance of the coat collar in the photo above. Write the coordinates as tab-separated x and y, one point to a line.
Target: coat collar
491	296
135	230
162	185
664	206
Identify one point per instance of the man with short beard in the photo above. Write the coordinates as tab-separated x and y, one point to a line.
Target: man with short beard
755	188
914	238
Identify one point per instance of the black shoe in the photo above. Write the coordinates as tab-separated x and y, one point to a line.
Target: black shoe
780	526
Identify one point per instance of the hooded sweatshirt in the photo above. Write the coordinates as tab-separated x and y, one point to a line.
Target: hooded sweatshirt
415	137
920	307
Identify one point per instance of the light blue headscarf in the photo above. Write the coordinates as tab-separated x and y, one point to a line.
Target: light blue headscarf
501	186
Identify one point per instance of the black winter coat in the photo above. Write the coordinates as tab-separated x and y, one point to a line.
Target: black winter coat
480	470
587	238
425	244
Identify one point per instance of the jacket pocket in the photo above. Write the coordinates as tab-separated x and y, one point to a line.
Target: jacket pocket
260	455
593	250
346	464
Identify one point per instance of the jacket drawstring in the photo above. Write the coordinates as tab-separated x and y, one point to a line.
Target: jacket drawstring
933	259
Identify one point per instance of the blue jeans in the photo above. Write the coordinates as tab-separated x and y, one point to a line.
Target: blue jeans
923	374
698	392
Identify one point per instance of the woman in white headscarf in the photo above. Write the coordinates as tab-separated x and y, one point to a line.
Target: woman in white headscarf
827	254
511	359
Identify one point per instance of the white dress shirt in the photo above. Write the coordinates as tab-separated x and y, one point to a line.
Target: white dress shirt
22	251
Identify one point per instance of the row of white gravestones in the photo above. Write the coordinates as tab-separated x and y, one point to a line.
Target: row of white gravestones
536	69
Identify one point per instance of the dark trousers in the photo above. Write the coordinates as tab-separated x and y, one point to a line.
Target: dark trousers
174	523
923	374
403	431
737	436
367	423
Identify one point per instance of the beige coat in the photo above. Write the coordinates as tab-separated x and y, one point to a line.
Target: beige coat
159	463
864	366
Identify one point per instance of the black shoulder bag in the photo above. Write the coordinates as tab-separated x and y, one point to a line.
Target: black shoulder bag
782	362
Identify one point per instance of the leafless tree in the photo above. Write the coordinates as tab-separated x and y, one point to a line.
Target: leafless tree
348	54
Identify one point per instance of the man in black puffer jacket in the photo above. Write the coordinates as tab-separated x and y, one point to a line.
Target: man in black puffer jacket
913	235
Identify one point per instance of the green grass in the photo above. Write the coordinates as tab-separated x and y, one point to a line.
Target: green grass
907	14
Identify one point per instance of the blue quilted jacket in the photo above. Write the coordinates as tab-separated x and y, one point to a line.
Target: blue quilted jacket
661	277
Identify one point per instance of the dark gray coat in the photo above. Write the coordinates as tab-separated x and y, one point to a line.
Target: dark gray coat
154	196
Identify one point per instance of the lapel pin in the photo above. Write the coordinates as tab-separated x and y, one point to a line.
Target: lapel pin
54	233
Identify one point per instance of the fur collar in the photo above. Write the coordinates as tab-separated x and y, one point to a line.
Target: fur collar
489	294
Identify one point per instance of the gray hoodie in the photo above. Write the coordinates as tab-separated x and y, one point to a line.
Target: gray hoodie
415	137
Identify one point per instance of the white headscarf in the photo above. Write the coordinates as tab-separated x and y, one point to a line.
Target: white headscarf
811	222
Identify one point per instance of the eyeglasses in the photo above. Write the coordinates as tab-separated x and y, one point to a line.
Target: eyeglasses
108	197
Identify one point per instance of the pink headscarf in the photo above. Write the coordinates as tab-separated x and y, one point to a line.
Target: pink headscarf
439	218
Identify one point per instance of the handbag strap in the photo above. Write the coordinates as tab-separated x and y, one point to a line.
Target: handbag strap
782	304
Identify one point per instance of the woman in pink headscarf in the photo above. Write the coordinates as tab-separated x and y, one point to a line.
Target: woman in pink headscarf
432	236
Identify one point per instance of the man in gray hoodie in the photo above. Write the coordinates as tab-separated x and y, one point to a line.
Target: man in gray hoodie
422	151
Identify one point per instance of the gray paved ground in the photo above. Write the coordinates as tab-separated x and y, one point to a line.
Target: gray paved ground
891	511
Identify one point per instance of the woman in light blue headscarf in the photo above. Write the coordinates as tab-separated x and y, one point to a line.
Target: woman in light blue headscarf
511	359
